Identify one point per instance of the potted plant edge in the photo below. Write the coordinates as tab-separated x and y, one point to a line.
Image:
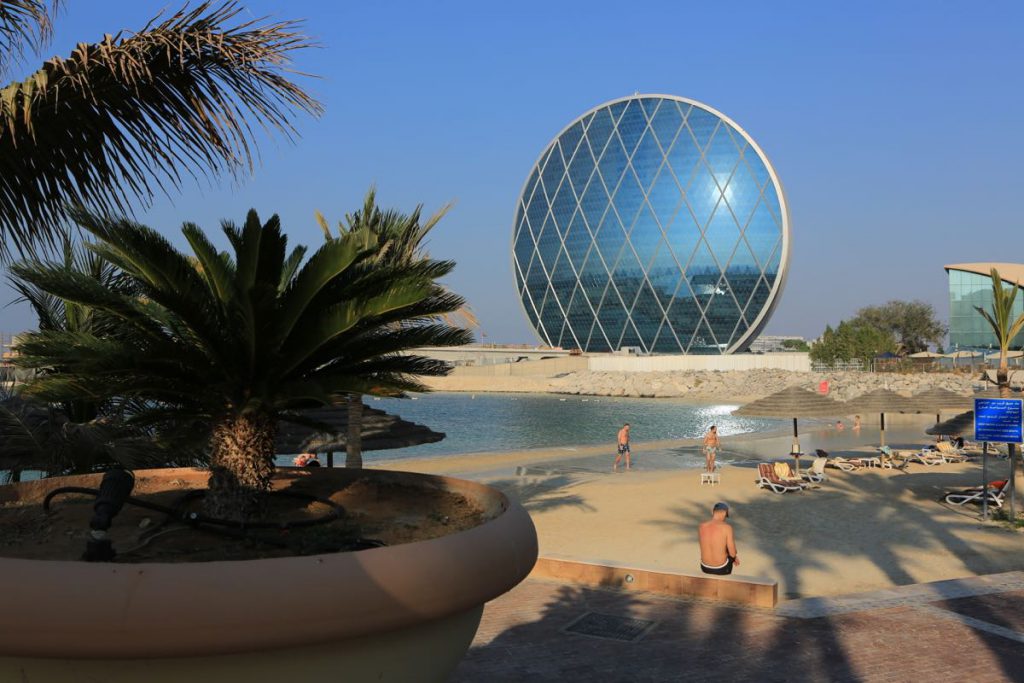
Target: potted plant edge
237	342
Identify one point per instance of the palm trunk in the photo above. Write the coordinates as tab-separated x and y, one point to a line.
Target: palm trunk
1016	472
241	466
354	440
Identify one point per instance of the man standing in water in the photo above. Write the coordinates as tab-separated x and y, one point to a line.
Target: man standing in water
623	448
711	446
717	546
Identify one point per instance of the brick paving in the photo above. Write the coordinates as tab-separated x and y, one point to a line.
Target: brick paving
913	633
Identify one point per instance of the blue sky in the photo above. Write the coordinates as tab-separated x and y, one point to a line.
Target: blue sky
895	127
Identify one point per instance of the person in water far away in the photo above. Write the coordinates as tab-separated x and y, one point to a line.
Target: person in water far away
717	546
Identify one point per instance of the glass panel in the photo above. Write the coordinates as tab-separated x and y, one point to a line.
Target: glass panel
664	275
651	105
612	318
742	194
762	233
722	235
563	207
701	124
522	250
645	236
703	195
594	203
647	160
627	277
594	279
665	197
647	316
704	340
771	200
581	319
722	156
548	245
684	158
598	132
666	124
630	337
577	241
628	198
743	283
756	166
551	178
569	141
613	163
683	236
617	109
631	127
581	169
537	213
610	238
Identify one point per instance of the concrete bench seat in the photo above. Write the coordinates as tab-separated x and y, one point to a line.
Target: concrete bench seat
753	591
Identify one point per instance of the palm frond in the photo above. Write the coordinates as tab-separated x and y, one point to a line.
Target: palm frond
125	118
24	25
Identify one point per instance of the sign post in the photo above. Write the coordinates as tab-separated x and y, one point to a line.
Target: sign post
1000	420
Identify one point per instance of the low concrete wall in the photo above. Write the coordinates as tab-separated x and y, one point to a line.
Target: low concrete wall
797	362
527	368
742	590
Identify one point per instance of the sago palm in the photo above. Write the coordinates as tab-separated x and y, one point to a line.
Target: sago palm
132	115
240	340
1006	328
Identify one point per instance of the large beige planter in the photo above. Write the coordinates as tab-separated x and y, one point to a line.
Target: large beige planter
399	613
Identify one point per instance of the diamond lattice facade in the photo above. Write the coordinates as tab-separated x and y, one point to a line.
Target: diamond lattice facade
970	286
655	222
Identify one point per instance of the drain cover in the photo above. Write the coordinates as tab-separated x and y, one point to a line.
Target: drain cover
610	626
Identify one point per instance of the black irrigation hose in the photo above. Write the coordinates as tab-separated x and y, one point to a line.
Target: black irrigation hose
197	518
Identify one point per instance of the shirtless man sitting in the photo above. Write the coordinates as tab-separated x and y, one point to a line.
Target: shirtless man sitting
717	547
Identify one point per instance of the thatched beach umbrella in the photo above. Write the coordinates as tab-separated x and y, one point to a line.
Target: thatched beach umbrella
926	354
882	401
960	424
380	431
793	402
935	400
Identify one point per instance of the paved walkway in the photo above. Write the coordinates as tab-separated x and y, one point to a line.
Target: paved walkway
970	629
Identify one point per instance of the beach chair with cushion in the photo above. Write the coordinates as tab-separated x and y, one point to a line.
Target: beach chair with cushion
816	473
838	463
926	457
767	479
950	453
996	493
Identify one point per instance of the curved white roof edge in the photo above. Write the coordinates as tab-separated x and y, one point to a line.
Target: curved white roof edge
1011	273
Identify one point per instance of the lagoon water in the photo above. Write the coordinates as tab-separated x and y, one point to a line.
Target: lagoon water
504	422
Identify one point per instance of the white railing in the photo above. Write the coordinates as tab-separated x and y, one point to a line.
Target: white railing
853	365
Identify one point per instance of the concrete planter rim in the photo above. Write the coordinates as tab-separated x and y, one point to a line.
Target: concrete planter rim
72	609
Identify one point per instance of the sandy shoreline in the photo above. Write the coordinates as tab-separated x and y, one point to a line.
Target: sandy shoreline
863	530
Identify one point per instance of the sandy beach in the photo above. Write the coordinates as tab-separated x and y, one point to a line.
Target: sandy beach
864	530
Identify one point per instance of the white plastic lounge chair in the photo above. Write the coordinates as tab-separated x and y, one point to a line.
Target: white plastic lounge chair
893	460
816	473
996	493
926	457
950	453
766	479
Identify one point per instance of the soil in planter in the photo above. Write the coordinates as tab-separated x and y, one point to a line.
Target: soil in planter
375	513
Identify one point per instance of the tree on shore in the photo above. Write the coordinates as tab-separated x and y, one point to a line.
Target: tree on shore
242	339
912	324
1006	328
851	340
130	116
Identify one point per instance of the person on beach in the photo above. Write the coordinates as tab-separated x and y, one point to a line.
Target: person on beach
623	448
711	446
717	546
839	425
856	423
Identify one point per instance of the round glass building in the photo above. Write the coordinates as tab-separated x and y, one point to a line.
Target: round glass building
655	222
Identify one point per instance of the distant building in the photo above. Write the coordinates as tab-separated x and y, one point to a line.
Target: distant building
772	343
970	285
651	222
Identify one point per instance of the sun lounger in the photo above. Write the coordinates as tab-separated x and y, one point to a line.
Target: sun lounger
893	460
950	453
768	479
926	457
996	493
816	473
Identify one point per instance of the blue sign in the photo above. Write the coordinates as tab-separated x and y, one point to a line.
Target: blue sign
998	420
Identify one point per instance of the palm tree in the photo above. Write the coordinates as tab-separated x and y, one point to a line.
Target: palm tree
1006	328
131	115
402	239
239	340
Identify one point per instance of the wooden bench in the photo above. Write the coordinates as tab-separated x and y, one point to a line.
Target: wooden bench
753	591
